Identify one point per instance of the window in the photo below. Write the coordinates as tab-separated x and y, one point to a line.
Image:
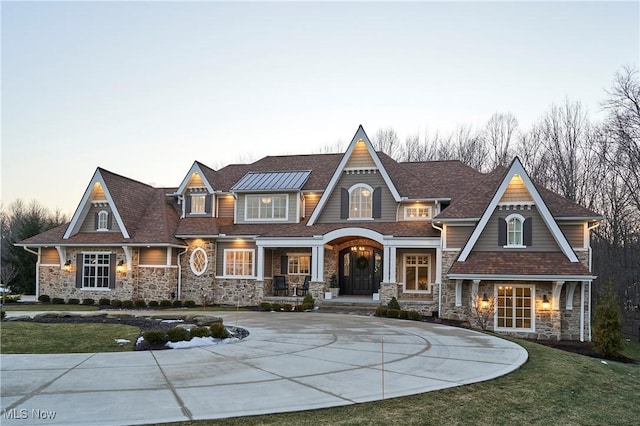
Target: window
198	261
417	270
360	202
514	307
266	207
417	213
95	270
299	264
515	230
103	221
198	202
238	263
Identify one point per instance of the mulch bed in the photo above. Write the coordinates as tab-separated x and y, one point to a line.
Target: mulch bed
144	324
583	348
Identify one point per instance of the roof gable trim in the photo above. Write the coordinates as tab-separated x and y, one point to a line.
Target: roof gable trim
195	168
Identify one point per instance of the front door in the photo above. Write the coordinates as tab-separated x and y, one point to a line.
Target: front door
360	270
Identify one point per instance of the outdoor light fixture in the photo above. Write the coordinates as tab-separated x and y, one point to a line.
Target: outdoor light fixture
121	267
546	305
67	265
485	301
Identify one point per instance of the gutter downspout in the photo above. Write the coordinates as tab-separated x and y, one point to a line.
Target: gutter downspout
37	253
180	275
582	311
439	265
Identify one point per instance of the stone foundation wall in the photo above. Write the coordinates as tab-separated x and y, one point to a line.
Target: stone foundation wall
154	283
238	292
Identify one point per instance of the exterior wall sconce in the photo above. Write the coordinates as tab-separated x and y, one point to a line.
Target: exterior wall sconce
121	266
546	305
67	266
484	303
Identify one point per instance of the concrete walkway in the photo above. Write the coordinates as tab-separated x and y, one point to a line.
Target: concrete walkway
290	362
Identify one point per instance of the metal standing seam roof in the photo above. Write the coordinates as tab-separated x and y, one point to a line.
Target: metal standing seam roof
272	181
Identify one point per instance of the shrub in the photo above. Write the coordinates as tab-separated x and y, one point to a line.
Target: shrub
165	303
308	300
44	298
403	314
287	307
381	311
153	304
189	304
219	331
140	303
200	332
178	334
127	303
393	313
88	301
177	303
104	301
73	301
155	337
265	306
10	298
607	326
414	315
57	301
276	306
307	306
393	304
116	303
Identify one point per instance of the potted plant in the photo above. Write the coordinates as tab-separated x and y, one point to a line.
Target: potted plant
334	286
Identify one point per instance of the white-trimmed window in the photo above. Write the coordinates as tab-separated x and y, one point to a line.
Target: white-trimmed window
96	270
198	203
514	307
299	264
361	201
417	212
103	221
266	207
238	263
417	273
515	230
198	261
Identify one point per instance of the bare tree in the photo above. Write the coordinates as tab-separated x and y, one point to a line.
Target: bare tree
499	134
387	141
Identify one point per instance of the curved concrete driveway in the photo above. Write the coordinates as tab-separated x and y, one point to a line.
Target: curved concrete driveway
290	362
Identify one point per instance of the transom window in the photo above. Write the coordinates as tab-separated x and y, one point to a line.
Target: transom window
266	207
514	308
417	270
199	261
417	213
198	203
103	221
95	270
238	263
360	201
299	264
515	230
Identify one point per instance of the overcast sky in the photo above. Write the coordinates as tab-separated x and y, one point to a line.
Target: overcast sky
145	88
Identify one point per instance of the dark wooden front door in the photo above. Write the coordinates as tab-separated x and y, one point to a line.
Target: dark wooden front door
360	270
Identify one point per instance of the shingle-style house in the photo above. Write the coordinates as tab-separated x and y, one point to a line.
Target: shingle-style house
440	236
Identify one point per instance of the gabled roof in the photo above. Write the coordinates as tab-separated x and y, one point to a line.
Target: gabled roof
359	136
272	181
517	168
203	171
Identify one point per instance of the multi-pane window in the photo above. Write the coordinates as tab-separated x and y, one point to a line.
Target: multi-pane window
198	261
198	202
514	307
360	202
299	264
95	270
103	221
238	263
266	207
416	272
514	230
417	213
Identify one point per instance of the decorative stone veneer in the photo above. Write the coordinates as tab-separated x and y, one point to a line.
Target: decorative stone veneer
199	288
238	292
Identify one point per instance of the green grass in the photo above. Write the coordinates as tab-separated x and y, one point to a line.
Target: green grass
553	387
42	307
632	350
18	337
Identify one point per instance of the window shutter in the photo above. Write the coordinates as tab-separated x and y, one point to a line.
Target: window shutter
502	231
377	203
208	203
109	220
112	270
79	269
95	221
187	204
344	204
284	265
527	232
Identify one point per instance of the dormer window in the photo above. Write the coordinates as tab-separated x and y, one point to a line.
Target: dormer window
417	213
102	221
361	202
266	207
515	231
198	203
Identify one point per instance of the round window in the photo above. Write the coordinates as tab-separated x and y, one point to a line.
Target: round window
199	261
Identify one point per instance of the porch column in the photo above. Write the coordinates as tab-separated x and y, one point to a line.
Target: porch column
392	264
385	264
320	263
260	264
458	292
317	263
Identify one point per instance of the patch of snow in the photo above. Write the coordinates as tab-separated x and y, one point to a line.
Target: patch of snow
199	341
604	362
172	321
122	341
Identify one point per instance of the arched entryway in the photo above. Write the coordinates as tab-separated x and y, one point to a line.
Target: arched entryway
360	270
